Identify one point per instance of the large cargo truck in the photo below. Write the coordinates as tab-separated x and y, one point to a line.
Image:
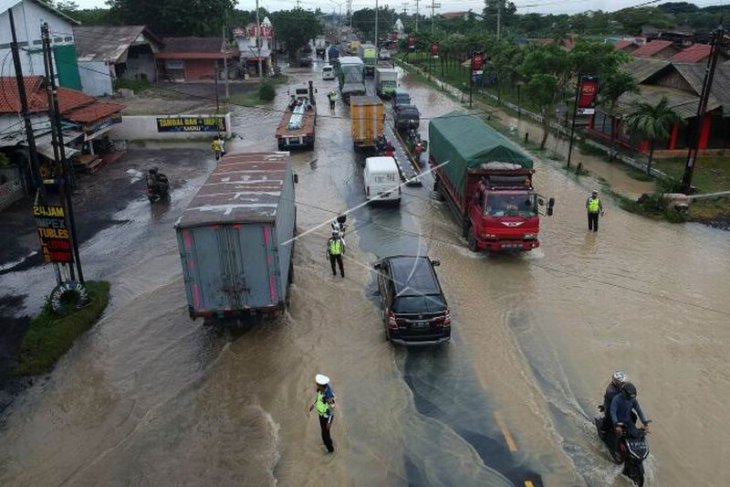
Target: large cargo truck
297	127
369	55
487	182
236	238
386	82
368	121
351	77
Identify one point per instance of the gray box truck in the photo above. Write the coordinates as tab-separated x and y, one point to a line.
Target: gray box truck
236	238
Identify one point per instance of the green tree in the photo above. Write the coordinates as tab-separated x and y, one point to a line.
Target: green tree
503	9
174	17
541	91
652	123
364	21
611	89
295	27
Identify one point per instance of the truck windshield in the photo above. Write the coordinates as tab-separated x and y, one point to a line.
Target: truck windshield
524	205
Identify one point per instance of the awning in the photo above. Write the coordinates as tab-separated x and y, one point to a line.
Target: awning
44	146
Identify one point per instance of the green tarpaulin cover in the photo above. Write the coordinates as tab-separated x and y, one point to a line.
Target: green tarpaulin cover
468	142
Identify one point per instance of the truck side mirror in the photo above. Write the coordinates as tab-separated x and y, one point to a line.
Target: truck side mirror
435	263
296	178
377	266
551	205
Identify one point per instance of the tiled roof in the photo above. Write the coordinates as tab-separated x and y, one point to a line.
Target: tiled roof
193	44
693	54
651	48
74	105
623	44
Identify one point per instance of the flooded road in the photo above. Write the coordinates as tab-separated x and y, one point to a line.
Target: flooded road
149	397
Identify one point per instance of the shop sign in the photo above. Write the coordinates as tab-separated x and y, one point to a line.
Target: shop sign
191	124
477	63
434	49
54	235
587	95
412	42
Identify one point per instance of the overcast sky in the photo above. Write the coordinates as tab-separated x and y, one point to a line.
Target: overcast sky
523	6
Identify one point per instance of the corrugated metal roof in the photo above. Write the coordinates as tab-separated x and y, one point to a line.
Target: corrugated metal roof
644	68
693	54
695	75
7	4
683	103
193	44
651	48
108	43
242	188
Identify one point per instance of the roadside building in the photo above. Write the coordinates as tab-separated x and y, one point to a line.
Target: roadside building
697	53
626	45
657	49
29	15
681	84
250	53
107	53
195	58
85	122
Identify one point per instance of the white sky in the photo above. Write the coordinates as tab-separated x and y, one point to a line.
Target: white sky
523	6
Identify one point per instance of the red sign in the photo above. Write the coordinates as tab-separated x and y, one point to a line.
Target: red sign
434	49
411	42
587	95
477	62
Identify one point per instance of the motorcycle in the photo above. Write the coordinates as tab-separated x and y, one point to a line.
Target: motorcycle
633	447
157	188
338	225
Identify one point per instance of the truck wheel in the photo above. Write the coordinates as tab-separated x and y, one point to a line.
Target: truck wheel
291	270
437	190
473	241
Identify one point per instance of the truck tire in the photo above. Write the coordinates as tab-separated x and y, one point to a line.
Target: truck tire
67	296
291	271
437	190
472	239
465	229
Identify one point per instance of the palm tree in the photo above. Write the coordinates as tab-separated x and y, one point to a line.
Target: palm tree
613	88
652	123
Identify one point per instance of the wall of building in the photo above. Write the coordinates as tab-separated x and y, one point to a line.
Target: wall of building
145	127
28	18
95	78
200	69
140	64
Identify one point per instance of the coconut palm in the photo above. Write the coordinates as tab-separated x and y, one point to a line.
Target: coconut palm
652	123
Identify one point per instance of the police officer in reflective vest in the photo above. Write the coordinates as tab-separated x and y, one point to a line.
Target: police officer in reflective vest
324	404
594	207
332	96
335	250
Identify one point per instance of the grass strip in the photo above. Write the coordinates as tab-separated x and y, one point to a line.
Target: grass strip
50	335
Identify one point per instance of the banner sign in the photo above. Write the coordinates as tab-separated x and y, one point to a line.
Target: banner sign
587	95
411	42
435	49
477	63
53	233
191	124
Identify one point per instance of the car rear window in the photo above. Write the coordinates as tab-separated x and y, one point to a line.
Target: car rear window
431	303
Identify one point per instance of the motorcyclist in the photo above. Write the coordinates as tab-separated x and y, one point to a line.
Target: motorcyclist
622	410
614	387
380	144
157	181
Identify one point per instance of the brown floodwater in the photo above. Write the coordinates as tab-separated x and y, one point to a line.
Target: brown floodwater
149	397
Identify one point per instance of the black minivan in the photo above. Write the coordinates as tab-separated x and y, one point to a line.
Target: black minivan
415	311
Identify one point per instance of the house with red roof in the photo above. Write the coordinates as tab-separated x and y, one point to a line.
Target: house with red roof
194	58
657	50
696	53
626	45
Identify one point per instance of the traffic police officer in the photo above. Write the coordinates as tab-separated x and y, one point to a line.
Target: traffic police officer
325	404
335	250
594	208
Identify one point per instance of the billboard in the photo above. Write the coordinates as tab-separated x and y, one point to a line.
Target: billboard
477	63
435	49
55	238
191	124
412	42
587	95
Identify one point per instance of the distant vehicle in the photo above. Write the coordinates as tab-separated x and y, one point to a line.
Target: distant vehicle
415	311
333	53
369	55
384	54
407	117
306	61
381	179
353	47
297	128
368	121
487	184
328	72
320	45
351	76
236	253
386	82
400	97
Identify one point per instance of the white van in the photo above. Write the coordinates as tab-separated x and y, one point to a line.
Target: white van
382	180
328	72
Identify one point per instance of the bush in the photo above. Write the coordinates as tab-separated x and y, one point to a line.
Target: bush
136	85
267	92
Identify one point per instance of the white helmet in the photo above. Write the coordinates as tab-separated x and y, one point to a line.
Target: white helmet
620	376
321	379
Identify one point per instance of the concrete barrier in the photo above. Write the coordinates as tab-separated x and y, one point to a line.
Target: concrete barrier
172	127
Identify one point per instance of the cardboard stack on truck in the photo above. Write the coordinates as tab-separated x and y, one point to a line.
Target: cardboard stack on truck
298	124
351	77
487	182
368	121
386	82
369	55
235	238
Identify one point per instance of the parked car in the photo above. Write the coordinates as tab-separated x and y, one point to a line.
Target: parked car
407	117
415	311
328	72
381	179
400	97
384	54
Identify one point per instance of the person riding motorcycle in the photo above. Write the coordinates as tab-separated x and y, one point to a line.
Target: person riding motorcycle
614	387
622	413
157	182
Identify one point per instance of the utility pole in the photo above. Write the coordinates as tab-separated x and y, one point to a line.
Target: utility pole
258	37
434	6
35	167
499	18
417	2
376	25
694	148
59	150
225	61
